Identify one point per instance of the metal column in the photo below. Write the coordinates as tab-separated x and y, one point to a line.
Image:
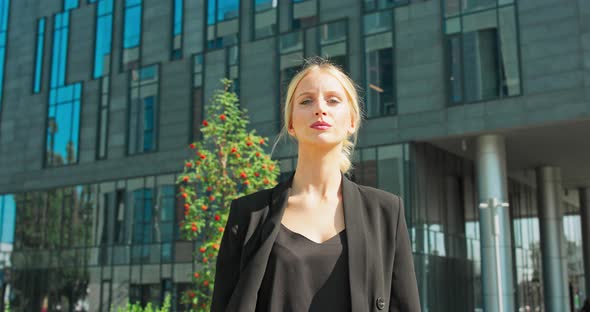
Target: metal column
585	221
549	201
494	219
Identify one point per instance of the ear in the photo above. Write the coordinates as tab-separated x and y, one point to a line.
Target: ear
291	131
352	127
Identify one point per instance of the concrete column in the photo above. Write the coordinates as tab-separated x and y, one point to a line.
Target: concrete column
585	221
549	201
494	218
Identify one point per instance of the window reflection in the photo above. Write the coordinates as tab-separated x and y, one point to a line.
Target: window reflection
334	43
4	12
197	97
265	18
291	55
177	29
132	34
304	13
63	125
104	30
222	23
370	5
39	55
143	101
379	75
70	4
63	117
482	51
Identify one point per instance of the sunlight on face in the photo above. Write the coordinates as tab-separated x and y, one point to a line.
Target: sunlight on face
320	97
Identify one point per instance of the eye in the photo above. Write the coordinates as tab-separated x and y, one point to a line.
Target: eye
334	100
306	101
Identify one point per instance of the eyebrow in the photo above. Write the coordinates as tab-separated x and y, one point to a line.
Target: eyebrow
329	92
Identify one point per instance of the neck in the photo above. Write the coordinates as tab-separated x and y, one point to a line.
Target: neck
318	172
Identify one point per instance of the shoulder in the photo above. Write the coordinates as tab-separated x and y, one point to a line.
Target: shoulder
379	196
380	203
246	204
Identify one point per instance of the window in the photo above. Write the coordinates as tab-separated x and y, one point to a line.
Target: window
166	219
177	30
131	35
63	125
222	23
334	43
197	97
39	55
4	9
304	13
103	118
371	5
291	54
379	65
482	51
104	32
265	18
60	49
143	101
142	225
8	215
232	67
70	4
63	117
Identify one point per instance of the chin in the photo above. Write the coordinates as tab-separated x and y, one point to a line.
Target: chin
321	142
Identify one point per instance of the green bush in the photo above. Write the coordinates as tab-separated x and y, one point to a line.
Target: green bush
136	307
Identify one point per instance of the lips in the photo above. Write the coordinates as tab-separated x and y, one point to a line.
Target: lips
320	125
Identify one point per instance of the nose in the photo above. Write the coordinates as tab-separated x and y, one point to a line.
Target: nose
321	108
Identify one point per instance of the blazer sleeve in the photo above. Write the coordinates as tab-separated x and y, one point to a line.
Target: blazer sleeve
228	261
404	288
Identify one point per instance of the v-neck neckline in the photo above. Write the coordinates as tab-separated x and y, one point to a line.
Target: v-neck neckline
310	240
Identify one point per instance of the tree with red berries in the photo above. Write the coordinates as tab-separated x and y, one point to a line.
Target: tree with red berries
229	162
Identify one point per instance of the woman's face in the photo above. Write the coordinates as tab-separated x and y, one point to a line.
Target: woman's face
321	111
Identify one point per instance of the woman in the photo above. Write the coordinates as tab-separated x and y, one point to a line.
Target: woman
317	242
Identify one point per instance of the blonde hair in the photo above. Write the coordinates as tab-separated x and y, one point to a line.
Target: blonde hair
350	88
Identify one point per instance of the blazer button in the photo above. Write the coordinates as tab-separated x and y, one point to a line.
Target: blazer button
380	303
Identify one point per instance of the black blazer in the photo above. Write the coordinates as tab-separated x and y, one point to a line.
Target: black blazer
379	252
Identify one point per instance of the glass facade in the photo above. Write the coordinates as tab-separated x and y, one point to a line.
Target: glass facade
265	18
39	55
177	30
223	26
143	109
379	64
132	35
104	33
482	50
91	247
4	10
63	116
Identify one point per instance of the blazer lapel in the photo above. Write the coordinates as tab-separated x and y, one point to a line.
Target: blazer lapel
357	244
257	249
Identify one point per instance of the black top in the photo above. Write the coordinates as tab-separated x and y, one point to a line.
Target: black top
303	275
